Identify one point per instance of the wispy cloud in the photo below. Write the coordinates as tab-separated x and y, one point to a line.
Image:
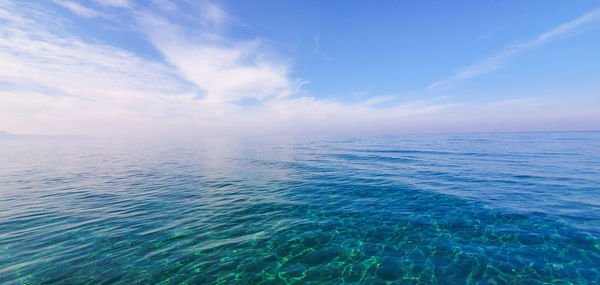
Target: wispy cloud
62	84
65	84
165	5
77	8
115	3
317	50
212	14
496	61
225	71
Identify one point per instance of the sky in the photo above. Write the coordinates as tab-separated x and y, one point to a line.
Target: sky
298	67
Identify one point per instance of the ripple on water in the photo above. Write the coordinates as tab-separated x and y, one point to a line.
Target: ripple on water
441	209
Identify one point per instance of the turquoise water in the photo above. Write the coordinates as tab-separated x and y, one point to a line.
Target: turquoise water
431	209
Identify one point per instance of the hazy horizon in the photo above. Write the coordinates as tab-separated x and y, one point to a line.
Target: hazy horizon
119	68
181	136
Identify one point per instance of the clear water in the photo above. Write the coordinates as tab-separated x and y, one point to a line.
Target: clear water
441	209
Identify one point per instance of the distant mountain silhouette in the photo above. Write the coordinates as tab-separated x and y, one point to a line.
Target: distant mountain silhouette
6	135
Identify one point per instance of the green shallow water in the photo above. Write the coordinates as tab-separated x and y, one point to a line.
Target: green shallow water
431	209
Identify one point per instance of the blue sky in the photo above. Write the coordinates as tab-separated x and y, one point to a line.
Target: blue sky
160	67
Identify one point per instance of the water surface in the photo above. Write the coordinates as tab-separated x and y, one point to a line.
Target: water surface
429	209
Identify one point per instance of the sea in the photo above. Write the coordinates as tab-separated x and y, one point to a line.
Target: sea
486	208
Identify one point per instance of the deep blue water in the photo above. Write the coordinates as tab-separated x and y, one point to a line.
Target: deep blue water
430	209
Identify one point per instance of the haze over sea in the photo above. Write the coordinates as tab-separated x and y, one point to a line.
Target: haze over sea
500	208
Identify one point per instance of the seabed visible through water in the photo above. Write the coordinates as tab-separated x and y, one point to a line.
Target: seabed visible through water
520	208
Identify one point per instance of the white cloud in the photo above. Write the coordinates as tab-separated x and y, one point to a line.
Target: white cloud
494	62
55	80
225	71
55	83
77	8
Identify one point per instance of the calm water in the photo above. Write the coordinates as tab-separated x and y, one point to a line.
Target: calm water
479	208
